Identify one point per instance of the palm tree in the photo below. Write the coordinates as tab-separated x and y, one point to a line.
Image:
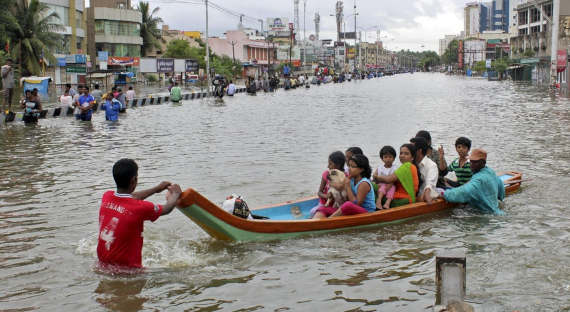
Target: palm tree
32	34
149	27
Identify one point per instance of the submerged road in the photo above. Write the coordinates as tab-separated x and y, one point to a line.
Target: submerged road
271	148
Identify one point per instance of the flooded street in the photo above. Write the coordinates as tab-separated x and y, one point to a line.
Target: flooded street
271	148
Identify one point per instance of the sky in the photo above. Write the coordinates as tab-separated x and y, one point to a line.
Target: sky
416	25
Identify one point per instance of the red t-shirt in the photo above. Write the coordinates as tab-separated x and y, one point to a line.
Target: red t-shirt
121	219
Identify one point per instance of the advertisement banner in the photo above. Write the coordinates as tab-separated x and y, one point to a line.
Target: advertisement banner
191	66
75	69
102	55
165	65
561	59
123	61
460	55
277	24
348	35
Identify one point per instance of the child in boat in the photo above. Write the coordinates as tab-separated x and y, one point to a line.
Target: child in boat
387	155
358	188
405	177
336	161
459	166
349	153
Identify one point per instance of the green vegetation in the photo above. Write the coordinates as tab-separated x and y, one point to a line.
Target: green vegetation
149	27
151	77
451	53
528	53
429	59
480	67
501	65
29	33
223	65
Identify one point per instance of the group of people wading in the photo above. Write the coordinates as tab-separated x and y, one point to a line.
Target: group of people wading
422	175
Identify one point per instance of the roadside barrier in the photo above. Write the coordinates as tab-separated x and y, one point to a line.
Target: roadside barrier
68	111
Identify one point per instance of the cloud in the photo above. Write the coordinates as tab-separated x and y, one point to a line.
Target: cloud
407	24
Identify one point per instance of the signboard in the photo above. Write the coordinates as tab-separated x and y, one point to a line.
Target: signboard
191	66
291	26
488	63
61	61
277	24
103	65
123	61
165	65
348	35
102	56
193	34
75	69
80	59
460	55
561	59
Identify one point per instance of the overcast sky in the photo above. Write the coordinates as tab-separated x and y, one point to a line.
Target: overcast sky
404	24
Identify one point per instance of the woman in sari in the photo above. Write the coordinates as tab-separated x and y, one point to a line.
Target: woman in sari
405	178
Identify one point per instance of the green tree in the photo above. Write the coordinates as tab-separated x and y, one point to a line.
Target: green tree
480	67
528	53
178	48
451	53
428	59
149	27
32	35
501	65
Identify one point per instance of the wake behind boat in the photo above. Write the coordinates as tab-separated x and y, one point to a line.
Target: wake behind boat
292	219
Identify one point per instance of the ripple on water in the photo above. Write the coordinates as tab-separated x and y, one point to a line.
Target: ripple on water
273	148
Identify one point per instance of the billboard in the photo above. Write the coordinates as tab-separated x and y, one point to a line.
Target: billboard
193	34
277	23
191	66
123	61
348	35
165	65
561	59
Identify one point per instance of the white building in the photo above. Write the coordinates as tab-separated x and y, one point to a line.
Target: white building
444	43
70	14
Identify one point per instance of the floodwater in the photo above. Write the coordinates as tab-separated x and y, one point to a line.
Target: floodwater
271	148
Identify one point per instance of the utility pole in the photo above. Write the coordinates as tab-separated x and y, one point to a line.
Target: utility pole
554	47
304	32
207	53
355	38
233	52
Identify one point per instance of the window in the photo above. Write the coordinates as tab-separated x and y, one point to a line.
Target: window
547	10
523	31
535	29
116	28
62	13
523	18
78	18
534	15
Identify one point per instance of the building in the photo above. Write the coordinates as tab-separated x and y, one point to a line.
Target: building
72	20
114	30
500	15
167	35
513	16
444	43
474	50
533	43
240	47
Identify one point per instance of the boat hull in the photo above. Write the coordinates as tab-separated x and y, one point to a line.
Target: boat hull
290	219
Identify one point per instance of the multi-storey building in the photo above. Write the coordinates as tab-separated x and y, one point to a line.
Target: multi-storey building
71	19
500	15
114	28
444	43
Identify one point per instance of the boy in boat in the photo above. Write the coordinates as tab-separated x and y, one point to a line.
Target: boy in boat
123	212
460	166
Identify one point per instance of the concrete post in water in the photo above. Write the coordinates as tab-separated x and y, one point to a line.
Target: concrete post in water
450	276
207	53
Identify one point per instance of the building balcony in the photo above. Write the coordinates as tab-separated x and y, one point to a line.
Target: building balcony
118	39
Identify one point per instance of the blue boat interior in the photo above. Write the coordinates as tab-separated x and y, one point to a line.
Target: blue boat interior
302	210
293	211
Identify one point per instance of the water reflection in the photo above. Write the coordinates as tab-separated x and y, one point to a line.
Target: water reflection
121	294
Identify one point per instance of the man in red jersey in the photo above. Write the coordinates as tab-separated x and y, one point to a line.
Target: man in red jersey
123	213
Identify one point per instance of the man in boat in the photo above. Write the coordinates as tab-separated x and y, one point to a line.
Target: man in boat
122	215
483	191
428	171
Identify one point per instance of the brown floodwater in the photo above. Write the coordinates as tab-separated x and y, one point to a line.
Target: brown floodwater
272	148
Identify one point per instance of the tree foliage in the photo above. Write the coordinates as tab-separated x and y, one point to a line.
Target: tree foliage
32	35
451	53
149	27
223	65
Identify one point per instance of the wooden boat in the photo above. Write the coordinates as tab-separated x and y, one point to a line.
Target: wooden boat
292	219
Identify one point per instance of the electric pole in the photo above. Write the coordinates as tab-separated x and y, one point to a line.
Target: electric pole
207	53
